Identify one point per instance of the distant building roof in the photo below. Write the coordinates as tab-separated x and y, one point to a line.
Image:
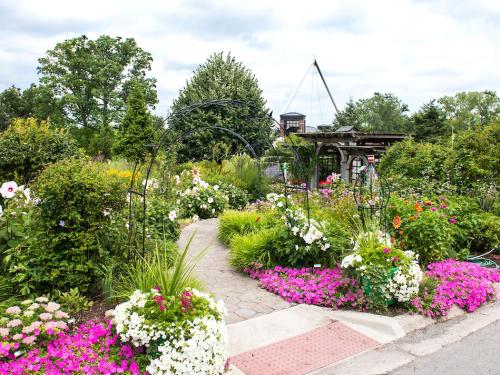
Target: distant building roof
346	129
292	114
311	129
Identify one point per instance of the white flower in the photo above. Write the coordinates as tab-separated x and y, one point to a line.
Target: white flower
172	215
210	200
1	210
8	189
196	218
106	211
216	187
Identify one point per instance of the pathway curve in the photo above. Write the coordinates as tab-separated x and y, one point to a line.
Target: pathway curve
242	296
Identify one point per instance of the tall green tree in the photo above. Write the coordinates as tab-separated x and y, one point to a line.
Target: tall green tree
92	78
383	113
221	77
429	123
35	101
349	116
136	130
470	110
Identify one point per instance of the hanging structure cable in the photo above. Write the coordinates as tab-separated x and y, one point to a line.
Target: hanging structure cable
297	89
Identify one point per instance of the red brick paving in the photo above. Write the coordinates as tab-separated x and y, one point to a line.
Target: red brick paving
304	353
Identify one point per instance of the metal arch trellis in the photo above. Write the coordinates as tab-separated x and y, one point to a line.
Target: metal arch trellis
154	149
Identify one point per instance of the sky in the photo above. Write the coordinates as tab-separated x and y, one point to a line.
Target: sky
416	50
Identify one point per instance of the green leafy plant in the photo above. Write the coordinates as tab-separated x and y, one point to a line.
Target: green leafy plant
232	223
254	249
74	211
72	300
164	267
29	145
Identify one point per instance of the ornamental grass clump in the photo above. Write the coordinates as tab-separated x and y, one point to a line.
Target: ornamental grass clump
181	334
450	282
328	287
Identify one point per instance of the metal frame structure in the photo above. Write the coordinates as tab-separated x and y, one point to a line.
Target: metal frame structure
169	137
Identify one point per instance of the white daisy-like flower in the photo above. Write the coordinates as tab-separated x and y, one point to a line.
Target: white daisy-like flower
172	215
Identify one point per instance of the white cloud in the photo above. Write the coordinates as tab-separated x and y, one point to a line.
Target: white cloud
418	50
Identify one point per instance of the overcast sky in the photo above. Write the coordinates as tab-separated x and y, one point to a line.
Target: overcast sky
417	50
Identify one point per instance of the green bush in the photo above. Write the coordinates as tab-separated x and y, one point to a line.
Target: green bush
28	146
160	221
426	227
409	165
232	223
254	249
237	198
76	205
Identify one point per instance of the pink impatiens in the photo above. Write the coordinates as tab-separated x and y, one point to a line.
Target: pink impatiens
93	349
324	287
464	284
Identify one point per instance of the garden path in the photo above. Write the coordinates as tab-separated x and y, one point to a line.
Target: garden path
242	296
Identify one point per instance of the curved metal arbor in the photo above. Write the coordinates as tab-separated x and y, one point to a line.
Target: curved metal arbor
371	195
169	137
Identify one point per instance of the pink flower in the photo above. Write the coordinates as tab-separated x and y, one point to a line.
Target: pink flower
452	220
4	332
45	316
387	250
29	340
13	310
52	307
14	323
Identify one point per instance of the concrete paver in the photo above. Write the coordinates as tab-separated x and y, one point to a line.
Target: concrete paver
242	295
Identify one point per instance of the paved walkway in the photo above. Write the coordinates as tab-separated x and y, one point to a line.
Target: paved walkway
242	296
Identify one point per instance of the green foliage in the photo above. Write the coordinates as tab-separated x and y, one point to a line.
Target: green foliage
427	228
299	154
64	249
164	267
28	146
382	113
349	116
238	198
254	249
37	102
221	77
232	223
136	129
158	223
243	172
475	160
72	301
92	78
15	222
471	110
429	123
417	166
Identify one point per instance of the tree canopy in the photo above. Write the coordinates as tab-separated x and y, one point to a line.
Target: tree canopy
473	109
91	78
429	123
221	77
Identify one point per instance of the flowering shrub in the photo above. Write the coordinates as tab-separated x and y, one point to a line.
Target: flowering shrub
450	282
70	237
15	214
424	226
22	327
201	199
237	198
328	287
386	272
93	349
181	335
